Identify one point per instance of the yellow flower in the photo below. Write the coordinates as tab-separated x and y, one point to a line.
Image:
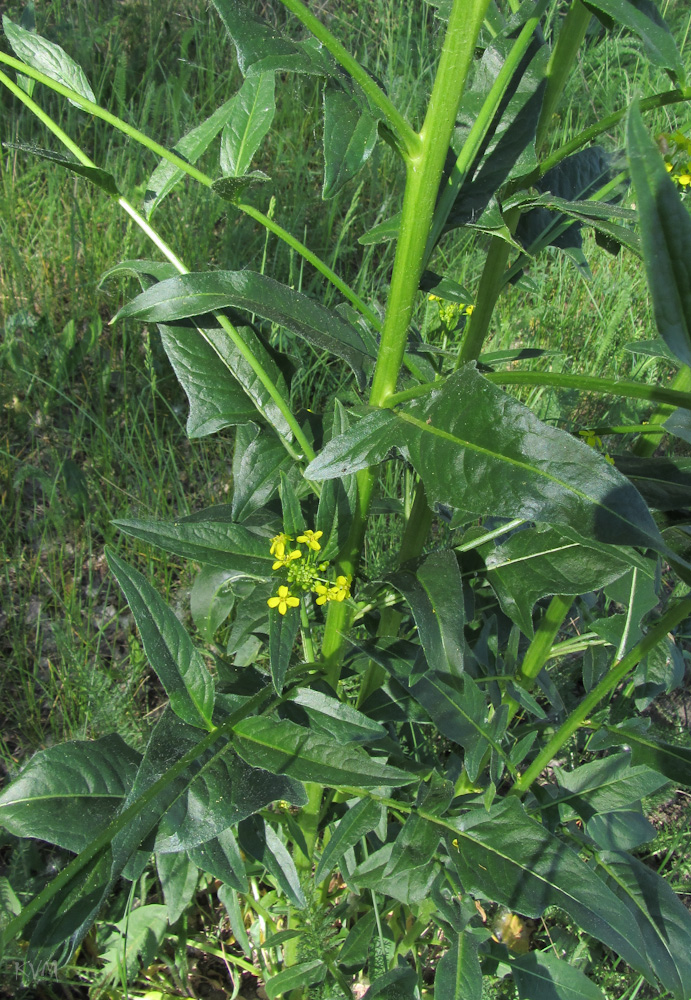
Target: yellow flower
322	592
310	539
669	168
285	560
283	600
278	545
340	590
469	310
685	180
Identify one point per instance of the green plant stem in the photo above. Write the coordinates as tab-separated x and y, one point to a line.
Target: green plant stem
169	254
587	383
306	632
645	445
538	651
616	674
407	136
559	67
308	821
424	171
117	123
491	284
478	131
101	842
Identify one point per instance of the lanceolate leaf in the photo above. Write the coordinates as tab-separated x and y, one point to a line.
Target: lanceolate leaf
357	822
458	973
47	58
296	977
189	148
350	135
607	784
178	877
211	599
221	857
260	840
286	748
283	630
197	294
101	178
66	794
671	760
541	974
507	857
214	543
179	665
253	109
523	468
256	460
666	237
664	921
643	18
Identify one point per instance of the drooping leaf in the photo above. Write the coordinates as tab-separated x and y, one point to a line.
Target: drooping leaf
605	785
669	759
505	856
542	974
253	109
283	747
260	840
222	794
525	468
433	595
134	941
666	238
459	973
197	294
358	821
179	665
256	461
166	175
178	877
229	897
68	793
213	543
540	561
396	984
211	599
261	48
48	58
328	714
101	178
643	18
664	483
221	857
283	630
664	921
350	135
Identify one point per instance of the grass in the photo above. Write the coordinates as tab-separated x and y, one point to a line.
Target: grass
93	421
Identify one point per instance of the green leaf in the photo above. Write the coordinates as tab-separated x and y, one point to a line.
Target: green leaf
433	595
643	19
541	974
231	188
664	921
622	830
283	747
101	178
283	630
350	135
253	110
358	821
396	984
354	953
605	785
664	483
504	856
48	58
221	857
260	840
198	294
136	939
256	461
666	238
526	468
223	793
67	794
261	48
178	877
214	543
672	761
179	665
539	561
338	718
382	232
458	973
166	175
229	897
296	977
293	519
211	599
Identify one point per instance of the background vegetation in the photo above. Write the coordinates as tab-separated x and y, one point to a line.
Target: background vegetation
93	417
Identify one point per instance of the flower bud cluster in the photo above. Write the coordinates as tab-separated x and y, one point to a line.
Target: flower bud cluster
676	149
451	312
303	572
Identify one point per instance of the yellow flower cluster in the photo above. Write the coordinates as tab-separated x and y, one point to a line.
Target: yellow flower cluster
450	312
303	571
676	149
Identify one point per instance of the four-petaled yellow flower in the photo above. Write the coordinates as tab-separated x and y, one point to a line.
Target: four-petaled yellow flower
322	592
278	545
340	590
283	600
285	560
310	539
